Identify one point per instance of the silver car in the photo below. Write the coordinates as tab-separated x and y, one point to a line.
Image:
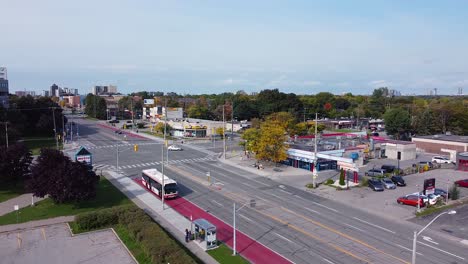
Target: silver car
388	184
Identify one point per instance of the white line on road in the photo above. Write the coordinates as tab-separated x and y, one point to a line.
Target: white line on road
245	217
328	261
260	182
217	203
246	184
374	225
284	238
276	196
409	249
441	250
313	211
285	191
331	209
357	228
300	197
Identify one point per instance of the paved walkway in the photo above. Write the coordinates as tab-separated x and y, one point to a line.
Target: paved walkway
23	200
33	224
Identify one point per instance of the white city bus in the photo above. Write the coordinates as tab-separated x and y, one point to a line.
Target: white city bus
152	179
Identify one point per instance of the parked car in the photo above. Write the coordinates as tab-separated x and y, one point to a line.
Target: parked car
174	148
428	163
115	121
118	131
442	193
388	184
462	183
375	185
428	199
388	168
440	159
398	180
375	172
411	199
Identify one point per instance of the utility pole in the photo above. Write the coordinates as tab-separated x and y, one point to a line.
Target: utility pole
55	127
314	174
232	120
305	109
95	106
63	129
6	133
133	122
71	125
162	162
165	128
234	231
224	135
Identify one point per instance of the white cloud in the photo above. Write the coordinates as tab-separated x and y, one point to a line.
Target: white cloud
311	83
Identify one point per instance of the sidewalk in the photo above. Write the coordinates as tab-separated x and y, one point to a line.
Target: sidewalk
23	200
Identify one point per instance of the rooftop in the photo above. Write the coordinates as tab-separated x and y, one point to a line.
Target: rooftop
454	138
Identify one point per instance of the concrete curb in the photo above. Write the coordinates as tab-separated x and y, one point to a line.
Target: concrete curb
35	224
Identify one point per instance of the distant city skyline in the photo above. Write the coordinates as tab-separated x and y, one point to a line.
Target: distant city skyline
304	47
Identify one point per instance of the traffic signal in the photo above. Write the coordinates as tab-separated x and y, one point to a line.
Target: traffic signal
135	147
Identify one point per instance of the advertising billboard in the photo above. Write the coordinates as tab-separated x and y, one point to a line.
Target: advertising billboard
148	101
429	186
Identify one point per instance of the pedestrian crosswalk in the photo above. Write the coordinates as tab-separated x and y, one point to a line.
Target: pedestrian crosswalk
90	147
150	164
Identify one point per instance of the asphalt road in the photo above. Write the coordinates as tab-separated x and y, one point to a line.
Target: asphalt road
302	227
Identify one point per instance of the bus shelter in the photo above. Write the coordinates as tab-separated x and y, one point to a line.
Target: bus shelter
205	233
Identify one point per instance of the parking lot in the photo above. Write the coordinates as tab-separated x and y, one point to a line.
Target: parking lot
384	203
54	244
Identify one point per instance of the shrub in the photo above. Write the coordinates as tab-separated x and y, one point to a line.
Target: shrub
454	192
342	177
310	185
330	182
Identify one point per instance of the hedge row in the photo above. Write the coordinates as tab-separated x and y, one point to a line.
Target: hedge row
155	241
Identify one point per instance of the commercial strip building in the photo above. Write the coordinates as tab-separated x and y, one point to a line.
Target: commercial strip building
456	147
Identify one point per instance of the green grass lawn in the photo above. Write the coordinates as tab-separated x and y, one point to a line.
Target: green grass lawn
158	135
35	144
107	196
7	192
223	254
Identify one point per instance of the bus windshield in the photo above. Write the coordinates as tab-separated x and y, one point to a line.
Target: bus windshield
170	188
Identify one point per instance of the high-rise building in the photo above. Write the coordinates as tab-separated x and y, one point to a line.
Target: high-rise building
4	87
45	93
54	90
108	89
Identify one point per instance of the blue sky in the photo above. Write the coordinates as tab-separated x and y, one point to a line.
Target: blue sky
197	47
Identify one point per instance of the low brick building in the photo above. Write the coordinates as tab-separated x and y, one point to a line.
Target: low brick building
441	144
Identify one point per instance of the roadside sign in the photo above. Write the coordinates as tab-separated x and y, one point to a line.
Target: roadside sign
83	155
16	207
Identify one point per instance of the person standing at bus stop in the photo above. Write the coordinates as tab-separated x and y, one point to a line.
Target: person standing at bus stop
187	236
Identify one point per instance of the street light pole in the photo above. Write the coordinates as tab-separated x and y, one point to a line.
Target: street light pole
224	135
314	173
162	157
416	233
6	133
55	127
234	230
419	206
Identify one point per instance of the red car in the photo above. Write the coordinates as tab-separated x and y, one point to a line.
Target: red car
462	183
411	199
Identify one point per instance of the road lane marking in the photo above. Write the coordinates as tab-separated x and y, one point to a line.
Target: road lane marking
409	249
428	239
300	230
357	228
328	261
331	209
213	201
313	211
374	225
260	182
43	234
272	194
245	217
281	190
300	197
18	237
342	234
464	241
446	252
284	238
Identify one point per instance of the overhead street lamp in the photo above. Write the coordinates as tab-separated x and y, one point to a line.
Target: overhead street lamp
416	233
252	204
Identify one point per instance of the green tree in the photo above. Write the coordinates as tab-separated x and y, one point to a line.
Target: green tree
159	128
14	163
397	122
95	106
271	144
250	139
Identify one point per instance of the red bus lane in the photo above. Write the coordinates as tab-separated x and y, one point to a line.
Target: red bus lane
247	247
